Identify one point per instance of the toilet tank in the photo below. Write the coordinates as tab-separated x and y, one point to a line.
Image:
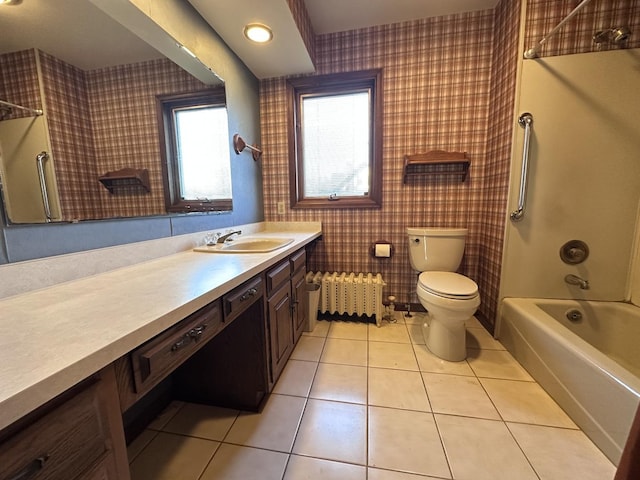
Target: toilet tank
436	249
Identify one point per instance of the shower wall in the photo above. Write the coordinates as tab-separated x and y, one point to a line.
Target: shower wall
584	177
585	182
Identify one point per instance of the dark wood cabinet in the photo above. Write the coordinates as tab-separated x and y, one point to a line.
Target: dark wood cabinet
76	436
232	369
286	309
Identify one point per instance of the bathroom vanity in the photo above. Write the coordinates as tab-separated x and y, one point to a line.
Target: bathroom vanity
80	356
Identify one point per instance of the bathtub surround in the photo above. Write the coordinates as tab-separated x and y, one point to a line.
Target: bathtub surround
585	178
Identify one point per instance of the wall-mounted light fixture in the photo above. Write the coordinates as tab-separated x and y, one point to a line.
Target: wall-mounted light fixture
257	32
239	145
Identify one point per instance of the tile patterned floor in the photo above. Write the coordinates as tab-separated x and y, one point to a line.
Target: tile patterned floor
358	402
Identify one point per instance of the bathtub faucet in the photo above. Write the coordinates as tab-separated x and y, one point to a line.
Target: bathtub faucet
576	280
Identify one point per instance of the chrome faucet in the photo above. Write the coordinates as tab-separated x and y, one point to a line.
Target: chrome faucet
576	280
224	237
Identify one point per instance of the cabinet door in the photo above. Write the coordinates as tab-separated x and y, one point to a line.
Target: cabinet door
280	328
298	286
78	436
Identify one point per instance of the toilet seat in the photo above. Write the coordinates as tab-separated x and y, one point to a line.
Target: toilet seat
448	285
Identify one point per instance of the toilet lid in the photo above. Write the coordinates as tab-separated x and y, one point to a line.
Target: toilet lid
448	284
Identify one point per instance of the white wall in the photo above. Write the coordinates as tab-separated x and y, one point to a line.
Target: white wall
584	176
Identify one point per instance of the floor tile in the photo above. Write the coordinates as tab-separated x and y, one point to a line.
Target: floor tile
346	352
392	355
473	322
458	395
139	443
333	431
397	389
558	453
341	383
307	468
274	428
348	330
320	330
417	318
407	441
496	364
415	333
296	378
167	414
202	421
480	449
389	332
525	402
480	338
232	462
377	474
169	456
308	348
428	362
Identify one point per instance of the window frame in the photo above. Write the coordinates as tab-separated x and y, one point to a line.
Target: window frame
170	168
340	83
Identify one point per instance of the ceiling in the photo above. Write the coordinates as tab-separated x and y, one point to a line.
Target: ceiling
81	34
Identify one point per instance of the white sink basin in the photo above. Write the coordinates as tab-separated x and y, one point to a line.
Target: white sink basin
247	245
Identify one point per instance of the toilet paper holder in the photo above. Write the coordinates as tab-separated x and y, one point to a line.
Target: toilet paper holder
382	249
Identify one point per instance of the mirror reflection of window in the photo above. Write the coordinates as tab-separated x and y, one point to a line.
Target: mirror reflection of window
196	149
202	134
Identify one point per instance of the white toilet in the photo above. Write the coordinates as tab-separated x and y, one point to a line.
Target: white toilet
450	298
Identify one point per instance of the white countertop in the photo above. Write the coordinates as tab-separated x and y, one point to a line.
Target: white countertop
52	338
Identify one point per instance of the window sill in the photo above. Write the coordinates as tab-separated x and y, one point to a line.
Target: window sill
344	202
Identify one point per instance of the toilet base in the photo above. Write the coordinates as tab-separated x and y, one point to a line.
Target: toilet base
447	342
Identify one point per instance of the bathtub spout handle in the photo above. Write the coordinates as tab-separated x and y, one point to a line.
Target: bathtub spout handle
576	280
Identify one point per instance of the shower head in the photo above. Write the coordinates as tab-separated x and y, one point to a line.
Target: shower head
615	35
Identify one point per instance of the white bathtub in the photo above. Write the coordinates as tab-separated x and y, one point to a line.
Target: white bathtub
591	367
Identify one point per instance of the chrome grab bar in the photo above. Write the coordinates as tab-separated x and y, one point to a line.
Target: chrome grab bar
43	183
525	121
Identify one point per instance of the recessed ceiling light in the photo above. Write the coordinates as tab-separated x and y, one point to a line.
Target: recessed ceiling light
256	32
10	2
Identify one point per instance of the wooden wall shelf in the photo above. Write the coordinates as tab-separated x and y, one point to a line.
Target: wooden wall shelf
127	177
436	163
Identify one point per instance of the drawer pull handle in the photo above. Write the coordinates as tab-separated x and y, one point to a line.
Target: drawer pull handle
248	294
189	337
30	470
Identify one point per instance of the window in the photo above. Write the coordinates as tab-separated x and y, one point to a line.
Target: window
196	149
335	142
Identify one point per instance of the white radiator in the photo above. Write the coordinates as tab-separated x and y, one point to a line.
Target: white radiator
350	293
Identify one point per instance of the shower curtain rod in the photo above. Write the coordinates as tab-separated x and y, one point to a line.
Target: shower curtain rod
36	112
533	52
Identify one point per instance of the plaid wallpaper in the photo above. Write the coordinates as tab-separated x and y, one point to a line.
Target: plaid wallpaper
125	128
19	82
437	76
301	17
576	36
69	118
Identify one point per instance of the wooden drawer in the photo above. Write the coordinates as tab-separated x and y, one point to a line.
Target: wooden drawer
278	275
157	358
71	439
298	260
240	298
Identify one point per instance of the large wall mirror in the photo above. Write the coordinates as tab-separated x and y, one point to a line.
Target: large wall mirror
100	140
